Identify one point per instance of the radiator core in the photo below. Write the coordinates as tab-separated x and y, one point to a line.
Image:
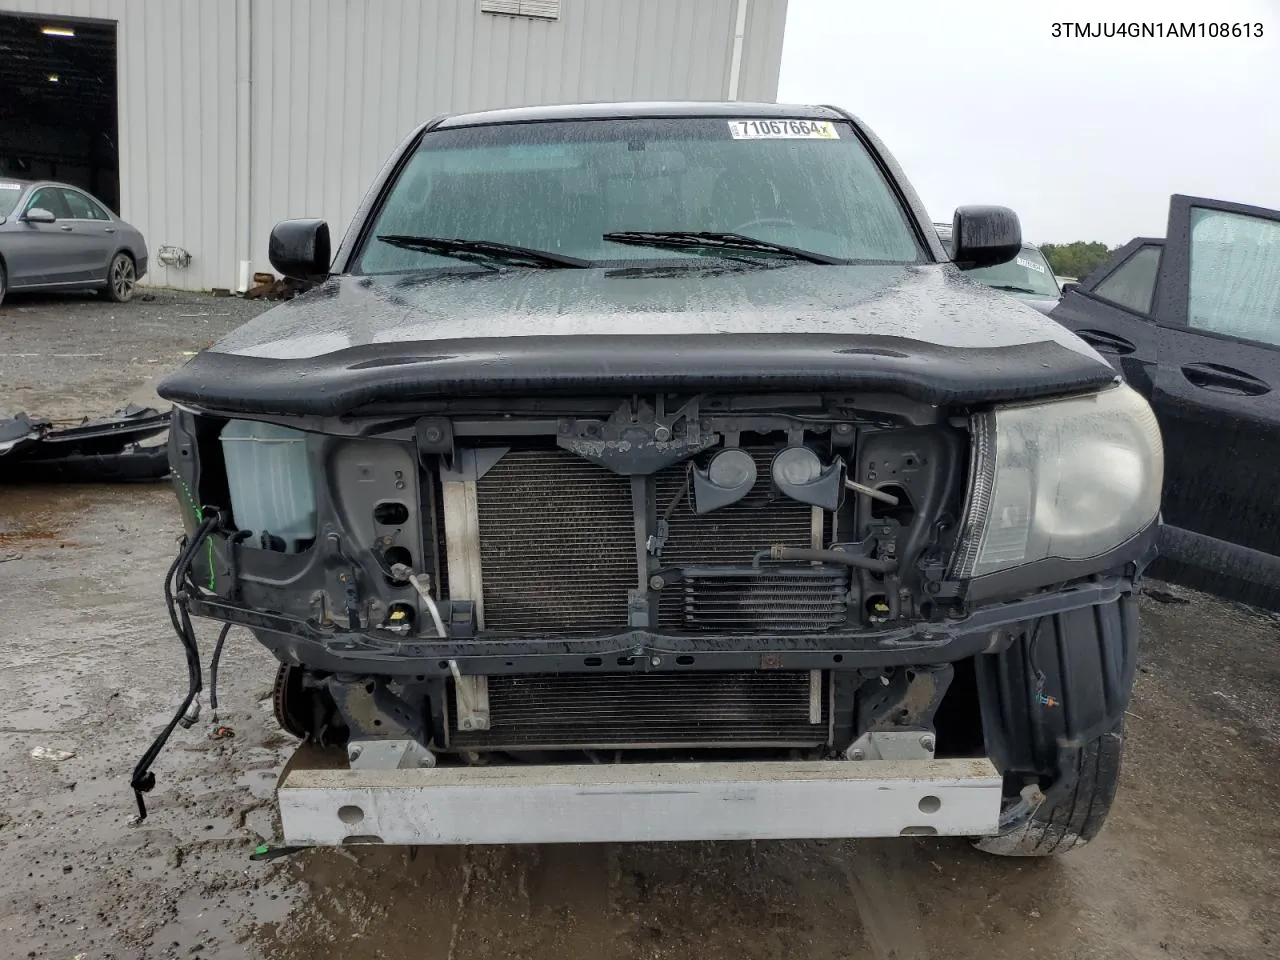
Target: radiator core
651	710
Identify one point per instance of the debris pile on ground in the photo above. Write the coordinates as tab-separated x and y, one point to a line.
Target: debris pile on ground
106	449
273	289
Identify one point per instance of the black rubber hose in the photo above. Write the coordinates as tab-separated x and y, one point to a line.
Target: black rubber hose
828	556
213	666
143	780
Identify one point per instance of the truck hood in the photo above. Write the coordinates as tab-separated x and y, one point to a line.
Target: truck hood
1043	304
925	331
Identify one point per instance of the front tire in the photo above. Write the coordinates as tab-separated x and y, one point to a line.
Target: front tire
1064	821
122	278
4	283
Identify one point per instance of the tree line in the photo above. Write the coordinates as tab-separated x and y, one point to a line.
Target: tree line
1077	259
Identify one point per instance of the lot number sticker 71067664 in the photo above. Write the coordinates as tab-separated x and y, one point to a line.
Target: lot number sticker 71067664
783	130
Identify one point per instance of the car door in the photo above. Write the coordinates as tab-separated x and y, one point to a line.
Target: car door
1193	323
94	232
1111	310
1216	392
51	253
33	251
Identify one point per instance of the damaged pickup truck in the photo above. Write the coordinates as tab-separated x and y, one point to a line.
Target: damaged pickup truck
649	472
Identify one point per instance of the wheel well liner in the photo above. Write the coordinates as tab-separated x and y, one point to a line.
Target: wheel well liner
1065	681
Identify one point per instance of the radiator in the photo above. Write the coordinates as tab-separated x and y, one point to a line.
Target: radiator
557	543
558	552
651	710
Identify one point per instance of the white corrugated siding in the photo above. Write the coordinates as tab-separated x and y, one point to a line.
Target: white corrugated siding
177	125
338	83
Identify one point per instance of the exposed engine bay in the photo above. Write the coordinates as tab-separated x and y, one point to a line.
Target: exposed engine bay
717	516
605	579
691	517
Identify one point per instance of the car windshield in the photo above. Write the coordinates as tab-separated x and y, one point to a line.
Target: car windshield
559	187
1027	273
9	194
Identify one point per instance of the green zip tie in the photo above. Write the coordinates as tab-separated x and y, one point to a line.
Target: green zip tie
199	519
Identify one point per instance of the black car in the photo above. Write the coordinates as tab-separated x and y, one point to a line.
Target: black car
652	472
1192	321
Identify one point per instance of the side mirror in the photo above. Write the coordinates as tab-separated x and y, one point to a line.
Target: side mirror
38	215
984	236
1068	287
299	249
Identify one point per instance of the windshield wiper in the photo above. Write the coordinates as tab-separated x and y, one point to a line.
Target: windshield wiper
483	252
712	242
1012	289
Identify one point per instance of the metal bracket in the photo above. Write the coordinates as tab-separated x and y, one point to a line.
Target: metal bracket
892	745
350	598
388	755
658	539
471	464
635	440
638	614
460	615
375	716
473	699
907	701
434	436
348	581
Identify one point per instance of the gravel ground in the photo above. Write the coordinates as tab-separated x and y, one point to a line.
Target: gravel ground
1188	866
72	356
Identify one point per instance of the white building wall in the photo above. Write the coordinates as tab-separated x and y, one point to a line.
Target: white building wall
176	80
336	84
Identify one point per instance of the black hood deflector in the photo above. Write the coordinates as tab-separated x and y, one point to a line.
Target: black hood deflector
922	332
338	383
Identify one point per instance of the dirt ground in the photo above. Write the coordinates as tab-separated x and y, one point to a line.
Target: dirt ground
1188	866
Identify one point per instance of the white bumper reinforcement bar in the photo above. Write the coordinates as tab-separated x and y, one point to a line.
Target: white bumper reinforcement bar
639	802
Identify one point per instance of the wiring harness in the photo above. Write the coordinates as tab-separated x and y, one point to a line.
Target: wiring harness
177	583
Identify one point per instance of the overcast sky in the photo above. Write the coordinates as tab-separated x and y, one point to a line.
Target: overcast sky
1084	138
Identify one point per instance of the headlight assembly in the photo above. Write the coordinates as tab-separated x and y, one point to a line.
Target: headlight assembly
1069	479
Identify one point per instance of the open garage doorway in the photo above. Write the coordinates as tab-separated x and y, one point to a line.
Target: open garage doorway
59	111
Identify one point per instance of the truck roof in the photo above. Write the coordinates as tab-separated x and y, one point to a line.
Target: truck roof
660	108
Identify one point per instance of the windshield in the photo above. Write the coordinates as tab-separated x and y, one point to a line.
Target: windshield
1028	273
559	187
9	194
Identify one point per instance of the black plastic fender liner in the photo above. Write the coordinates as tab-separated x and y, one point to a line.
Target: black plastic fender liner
1063	683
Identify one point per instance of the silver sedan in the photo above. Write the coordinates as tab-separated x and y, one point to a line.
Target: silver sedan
54	236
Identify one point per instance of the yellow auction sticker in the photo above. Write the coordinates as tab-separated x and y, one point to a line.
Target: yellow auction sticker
783	130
